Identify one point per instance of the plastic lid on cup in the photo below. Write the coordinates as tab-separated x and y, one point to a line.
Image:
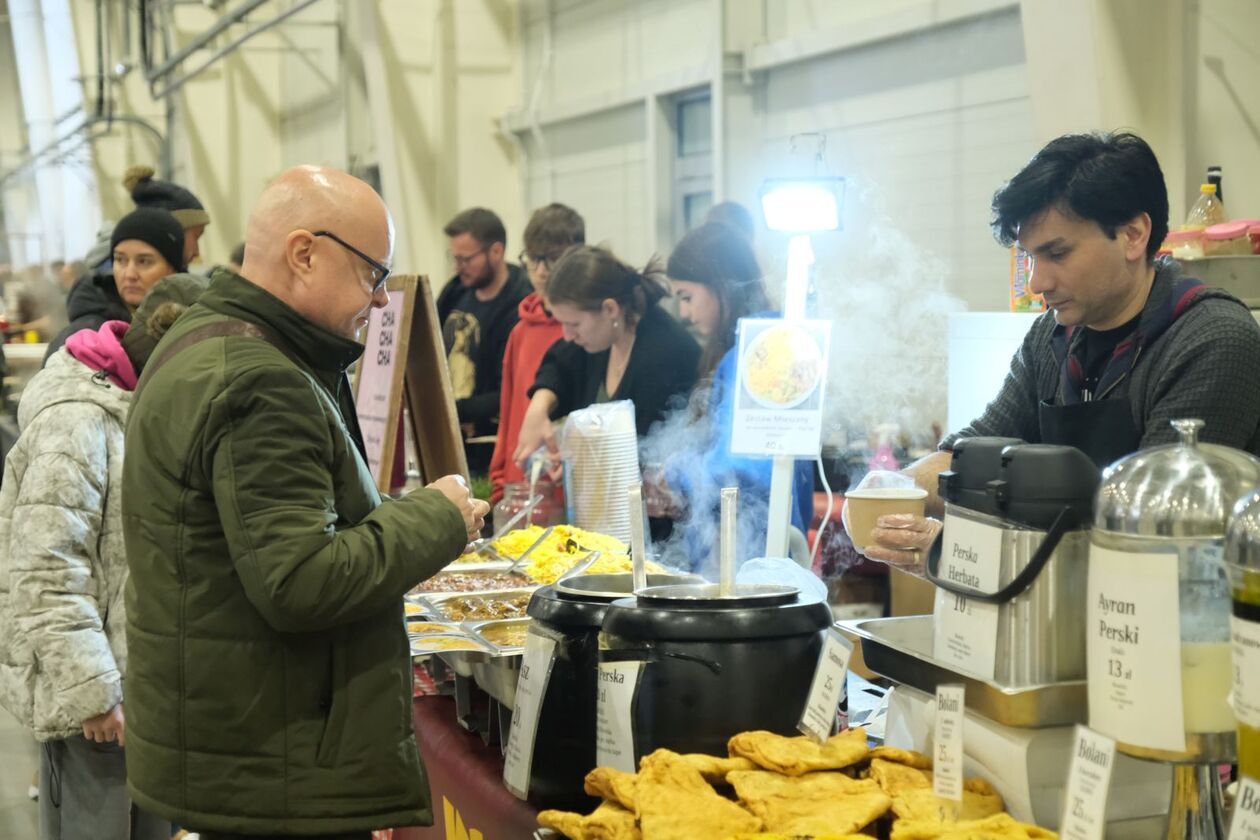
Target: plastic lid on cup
1183	235
1227	230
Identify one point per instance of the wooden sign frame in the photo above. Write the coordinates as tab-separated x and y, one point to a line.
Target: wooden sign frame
405	358
430	397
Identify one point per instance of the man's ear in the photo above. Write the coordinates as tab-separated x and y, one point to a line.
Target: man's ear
299	253
1135	234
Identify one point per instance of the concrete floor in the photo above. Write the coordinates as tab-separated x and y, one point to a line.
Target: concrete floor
19	760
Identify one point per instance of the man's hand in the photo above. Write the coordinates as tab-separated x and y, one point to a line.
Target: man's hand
903	540
473	510
110	726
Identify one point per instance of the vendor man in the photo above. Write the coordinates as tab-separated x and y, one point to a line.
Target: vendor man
1129	343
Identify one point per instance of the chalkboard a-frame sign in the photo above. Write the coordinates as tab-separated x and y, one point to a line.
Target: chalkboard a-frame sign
404	359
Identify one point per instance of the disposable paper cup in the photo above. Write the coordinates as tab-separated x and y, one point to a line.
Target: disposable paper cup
867	506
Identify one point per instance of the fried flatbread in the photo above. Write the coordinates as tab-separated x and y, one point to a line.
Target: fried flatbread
714	769
921	804
894	778
567	823
799	755
996	827
674	802
909	758
607	822
612	785
772	836
611	822
812	804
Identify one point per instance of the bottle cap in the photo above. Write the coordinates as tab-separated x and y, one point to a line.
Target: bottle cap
1209	189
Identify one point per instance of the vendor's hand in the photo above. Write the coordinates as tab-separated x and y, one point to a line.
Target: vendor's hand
903	540
536	431
110	726
473	510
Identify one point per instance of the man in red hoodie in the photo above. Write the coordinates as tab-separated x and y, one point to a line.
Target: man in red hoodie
551	231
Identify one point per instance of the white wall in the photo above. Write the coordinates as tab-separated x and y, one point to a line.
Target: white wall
924	107
1227	112
299	93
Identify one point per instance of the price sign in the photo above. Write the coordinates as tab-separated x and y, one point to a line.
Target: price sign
947	740
965	629
1089	778
819	718
1134	649
1246	824
781	378
614	715
531	686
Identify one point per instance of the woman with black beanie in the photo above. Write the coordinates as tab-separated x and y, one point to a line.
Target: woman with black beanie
146	245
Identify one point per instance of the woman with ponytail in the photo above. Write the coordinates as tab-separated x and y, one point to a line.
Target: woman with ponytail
618	345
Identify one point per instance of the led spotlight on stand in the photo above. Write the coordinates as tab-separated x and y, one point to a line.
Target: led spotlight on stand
799	206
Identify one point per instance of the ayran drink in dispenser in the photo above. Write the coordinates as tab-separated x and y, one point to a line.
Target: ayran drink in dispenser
1242	561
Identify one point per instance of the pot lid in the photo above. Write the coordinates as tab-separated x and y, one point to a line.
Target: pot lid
610	587
714	595
1184	489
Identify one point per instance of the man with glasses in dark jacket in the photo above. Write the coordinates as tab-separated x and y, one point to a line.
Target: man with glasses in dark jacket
478	309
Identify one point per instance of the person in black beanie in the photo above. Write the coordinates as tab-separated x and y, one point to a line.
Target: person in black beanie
187	209
147	245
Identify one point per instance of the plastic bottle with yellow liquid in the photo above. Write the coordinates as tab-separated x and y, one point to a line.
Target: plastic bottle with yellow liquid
1208	210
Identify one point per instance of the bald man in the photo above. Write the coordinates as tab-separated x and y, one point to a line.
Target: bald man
269	687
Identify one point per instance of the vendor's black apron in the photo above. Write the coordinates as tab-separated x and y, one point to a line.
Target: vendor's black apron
1102	429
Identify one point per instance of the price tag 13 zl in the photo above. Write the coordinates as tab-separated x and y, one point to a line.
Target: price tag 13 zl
1089	779
819	718
947	741
1133	649
531	686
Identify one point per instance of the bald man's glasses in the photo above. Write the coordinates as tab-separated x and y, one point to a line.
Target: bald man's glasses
381	272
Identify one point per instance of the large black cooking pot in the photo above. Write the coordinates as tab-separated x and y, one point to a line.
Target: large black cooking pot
712	671
564	748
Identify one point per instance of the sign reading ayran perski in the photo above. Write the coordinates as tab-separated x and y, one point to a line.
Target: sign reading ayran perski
780	382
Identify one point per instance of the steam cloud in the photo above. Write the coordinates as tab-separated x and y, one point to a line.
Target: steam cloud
888	303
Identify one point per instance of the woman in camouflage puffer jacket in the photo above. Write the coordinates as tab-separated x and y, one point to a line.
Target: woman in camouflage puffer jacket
63	568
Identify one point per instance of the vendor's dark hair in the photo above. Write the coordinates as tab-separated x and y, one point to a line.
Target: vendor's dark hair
588	275
718	256
1103	178
484	225
552	230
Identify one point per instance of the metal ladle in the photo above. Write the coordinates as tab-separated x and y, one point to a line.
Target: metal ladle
638	536
727	542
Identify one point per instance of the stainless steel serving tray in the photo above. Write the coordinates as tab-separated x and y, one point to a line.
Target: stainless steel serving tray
497	674
901	650
435	600
420	592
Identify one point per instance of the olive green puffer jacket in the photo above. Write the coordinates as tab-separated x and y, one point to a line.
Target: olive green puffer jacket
269	689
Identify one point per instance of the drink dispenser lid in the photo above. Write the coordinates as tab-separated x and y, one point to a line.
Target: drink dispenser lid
1039	480
974	462
1183	489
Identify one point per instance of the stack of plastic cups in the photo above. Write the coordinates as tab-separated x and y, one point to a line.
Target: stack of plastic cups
601	454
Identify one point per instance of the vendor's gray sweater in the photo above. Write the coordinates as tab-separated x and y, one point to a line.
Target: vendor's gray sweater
1206	365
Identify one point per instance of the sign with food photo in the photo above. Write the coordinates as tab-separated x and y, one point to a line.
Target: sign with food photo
781	376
